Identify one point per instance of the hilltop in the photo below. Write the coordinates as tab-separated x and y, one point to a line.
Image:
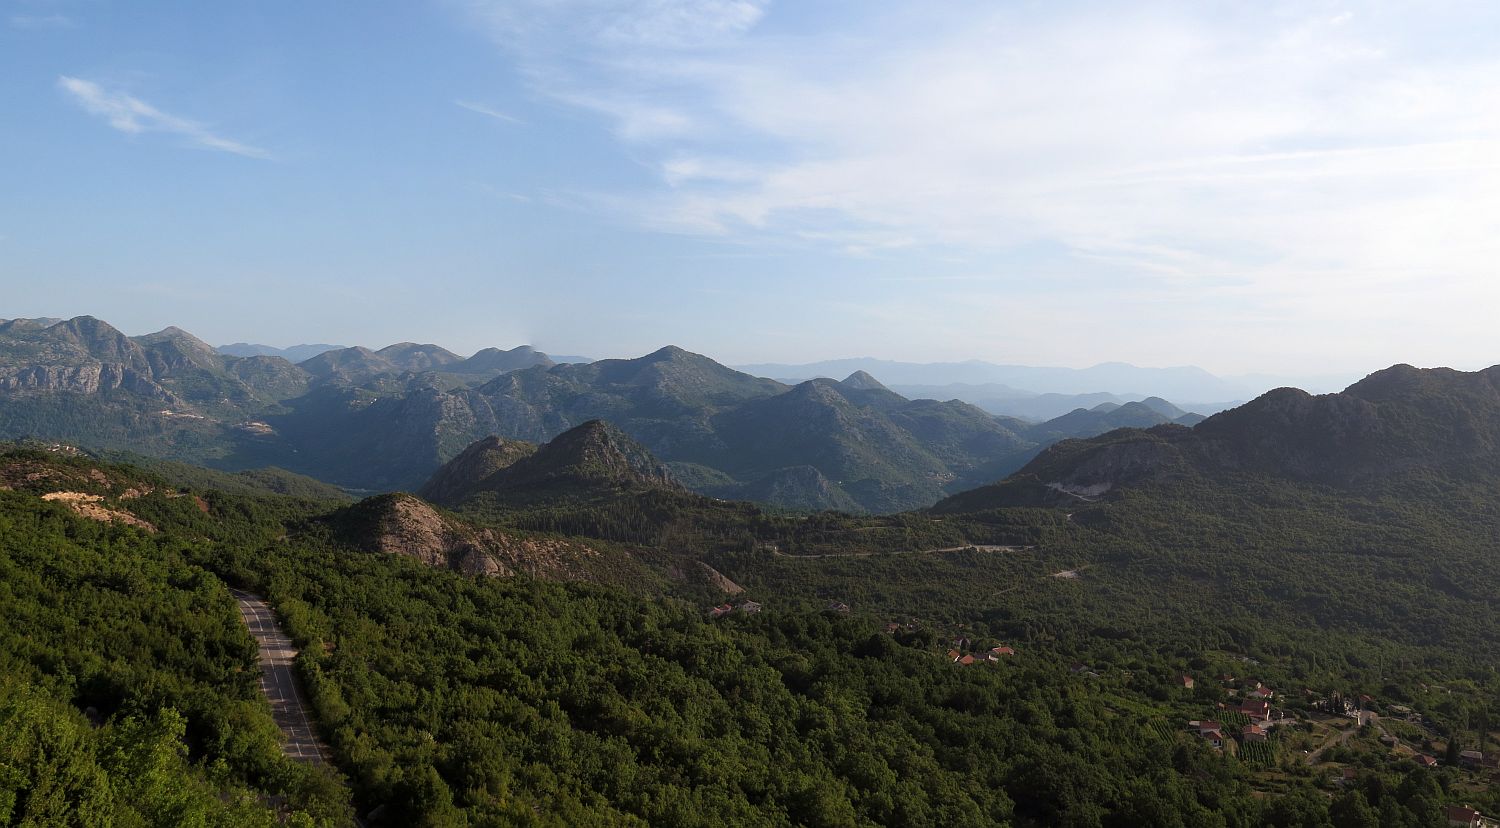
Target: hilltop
585	461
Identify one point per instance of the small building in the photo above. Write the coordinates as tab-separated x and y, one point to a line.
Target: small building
837	606
749	607
1470	758
961	643
1261	692
1426	761
720	611
1462	815
1186	682
1213	737
966	660
1256	711
893	627
954	655
1253	733
1002	651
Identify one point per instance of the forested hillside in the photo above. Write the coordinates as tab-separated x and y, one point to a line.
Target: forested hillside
127	690
451	698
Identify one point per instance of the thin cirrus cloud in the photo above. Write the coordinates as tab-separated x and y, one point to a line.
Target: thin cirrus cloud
1281	153
488	111
41	21
134	116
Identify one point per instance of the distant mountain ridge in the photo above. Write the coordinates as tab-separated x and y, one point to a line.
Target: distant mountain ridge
293	354
985	383
386	420
1393	425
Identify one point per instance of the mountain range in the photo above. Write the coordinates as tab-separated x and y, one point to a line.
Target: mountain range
985	383
1392	429
381	420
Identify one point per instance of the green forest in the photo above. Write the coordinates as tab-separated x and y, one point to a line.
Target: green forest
130	695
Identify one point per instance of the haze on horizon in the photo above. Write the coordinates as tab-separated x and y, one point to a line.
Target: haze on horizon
1299	188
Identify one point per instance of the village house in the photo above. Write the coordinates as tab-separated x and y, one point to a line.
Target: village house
1470	758
1253	733
1426	761
1002	651
1186	682
720	610
837	606
966	660
1464	816
954	655
749	607
1256	711
1213	737
1261	692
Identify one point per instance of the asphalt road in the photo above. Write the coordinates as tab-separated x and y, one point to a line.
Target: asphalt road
278	681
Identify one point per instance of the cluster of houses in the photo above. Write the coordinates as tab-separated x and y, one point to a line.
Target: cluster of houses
1255	706
992	655
1213	732
747	607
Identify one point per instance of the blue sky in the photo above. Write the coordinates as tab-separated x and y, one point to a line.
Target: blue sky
1297	187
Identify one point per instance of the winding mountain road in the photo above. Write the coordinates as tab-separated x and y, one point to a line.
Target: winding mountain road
278	681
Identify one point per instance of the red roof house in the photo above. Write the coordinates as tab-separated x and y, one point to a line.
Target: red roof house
1258	711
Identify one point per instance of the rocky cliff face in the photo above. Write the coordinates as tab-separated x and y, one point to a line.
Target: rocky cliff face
405	525
93	378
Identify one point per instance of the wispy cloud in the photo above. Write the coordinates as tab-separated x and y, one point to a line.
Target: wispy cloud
528	25
132	115
41	21
1252	146
489	111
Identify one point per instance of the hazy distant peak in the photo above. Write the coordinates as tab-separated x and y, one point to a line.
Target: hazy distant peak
173	333
414	356
862	381
1163	407
669	352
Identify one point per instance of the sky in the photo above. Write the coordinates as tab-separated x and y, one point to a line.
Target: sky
1295	187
